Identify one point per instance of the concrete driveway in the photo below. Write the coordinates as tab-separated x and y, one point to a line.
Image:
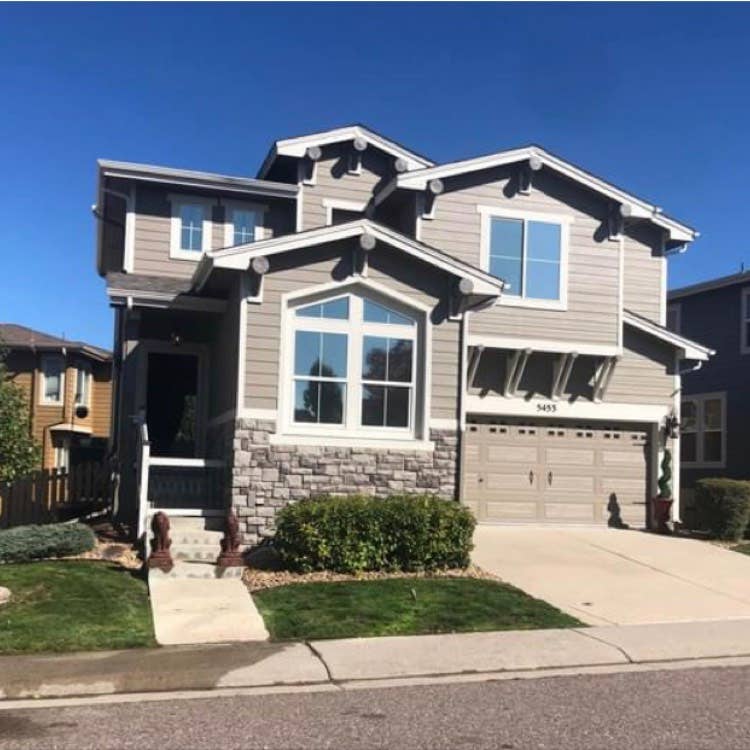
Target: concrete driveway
608	576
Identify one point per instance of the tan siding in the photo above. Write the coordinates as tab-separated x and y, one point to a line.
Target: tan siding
101	401
644	266
420	282
152	230
645	374
333	181
593	262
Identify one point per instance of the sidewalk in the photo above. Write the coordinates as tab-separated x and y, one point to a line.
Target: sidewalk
367	661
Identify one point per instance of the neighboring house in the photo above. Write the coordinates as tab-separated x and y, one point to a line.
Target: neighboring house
715	422
359	319
69	390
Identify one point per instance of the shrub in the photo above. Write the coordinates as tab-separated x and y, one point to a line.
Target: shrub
26	543
358	533
722	507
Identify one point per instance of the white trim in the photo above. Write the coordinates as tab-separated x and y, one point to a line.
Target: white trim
444	423
242	344
621	292
88	378
700	400
128	259
676	445
300	204
68	427
419	179
541	408
511	298
254	413
663	269
204	463
744	320
43	400
175	225
690	349
297	147
230	206
544	345
186	512
330	204
239	257
386	444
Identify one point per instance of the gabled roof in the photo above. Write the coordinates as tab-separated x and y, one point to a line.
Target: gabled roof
690	349
743	277
191	178
13	336
418	179
239	257
297	146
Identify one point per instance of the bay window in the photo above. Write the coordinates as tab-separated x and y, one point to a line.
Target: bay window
703	430
353	366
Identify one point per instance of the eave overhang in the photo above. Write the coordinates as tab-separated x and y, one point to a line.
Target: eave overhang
688	349
239	257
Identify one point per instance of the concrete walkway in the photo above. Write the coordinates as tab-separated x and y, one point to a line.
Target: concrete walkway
203	610
372	662
609	576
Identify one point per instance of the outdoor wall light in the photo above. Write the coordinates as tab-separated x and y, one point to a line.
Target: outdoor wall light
672	426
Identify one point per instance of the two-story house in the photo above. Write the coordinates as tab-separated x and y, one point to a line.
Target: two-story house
715	421
357	318
68	385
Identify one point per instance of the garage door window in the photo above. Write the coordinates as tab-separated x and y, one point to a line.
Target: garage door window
703	430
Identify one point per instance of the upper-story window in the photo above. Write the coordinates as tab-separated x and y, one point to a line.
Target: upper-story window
341	211
673	317
191	227
703	430
745	322
243	224
529	252
83	386
53	379
354	367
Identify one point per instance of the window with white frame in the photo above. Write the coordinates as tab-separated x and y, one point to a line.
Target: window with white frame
243	225
353	366
53	379
62	453
745	322
191	227
528	253
703	430
83	386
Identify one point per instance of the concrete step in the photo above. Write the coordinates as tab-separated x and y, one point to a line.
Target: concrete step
197	523
194	569
199	538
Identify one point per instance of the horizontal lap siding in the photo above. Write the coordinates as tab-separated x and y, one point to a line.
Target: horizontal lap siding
152	230
644	267
101	400
593	264
417	281
644	374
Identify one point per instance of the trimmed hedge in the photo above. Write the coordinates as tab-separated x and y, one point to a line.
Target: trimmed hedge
26	543
722	507
360	533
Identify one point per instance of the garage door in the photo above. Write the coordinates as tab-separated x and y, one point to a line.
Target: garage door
556	473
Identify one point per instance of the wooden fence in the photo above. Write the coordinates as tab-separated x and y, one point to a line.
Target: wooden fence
55	495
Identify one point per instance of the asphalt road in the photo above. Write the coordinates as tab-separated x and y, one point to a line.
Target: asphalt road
700	708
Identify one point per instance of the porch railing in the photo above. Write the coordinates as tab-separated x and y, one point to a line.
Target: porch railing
180	486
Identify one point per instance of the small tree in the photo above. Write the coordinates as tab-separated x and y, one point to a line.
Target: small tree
665	481
19	452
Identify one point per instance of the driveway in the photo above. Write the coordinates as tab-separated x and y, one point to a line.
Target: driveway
608	576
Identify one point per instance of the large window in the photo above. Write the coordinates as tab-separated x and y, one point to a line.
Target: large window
83	386
354	365
191	227
53	379
703	430
528	253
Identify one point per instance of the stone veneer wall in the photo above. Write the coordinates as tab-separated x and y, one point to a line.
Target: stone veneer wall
266	477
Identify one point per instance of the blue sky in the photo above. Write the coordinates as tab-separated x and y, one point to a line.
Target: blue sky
652	97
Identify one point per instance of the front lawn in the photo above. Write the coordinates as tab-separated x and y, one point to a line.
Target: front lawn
73	606
402	606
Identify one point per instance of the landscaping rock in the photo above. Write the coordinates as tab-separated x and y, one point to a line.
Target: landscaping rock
4	595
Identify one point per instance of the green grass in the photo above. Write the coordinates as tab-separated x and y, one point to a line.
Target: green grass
402	606
73	606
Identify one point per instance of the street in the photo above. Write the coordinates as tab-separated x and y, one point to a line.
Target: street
697	708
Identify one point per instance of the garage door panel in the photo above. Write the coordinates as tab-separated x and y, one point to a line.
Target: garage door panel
566	456
565	484
512	454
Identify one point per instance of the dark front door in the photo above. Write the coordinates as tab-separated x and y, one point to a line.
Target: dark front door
172	404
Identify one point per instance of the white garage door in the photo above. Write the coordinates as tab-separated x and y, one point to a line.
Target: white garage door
556	473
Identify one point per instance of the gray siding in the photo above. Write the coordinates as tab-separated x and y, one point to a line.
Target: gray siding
593	268
333	181
320	266
644	268
152	229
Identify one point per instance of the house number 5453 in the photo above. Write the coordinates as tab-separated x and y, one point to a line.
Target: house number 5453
546	408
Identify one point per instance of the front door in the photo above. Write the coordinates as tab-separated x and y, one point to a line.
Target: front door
172	404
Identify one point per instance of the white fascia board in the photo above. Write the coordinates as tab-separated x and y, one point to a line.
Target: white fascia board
419	179
544	345
240	256
690	349
296	147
